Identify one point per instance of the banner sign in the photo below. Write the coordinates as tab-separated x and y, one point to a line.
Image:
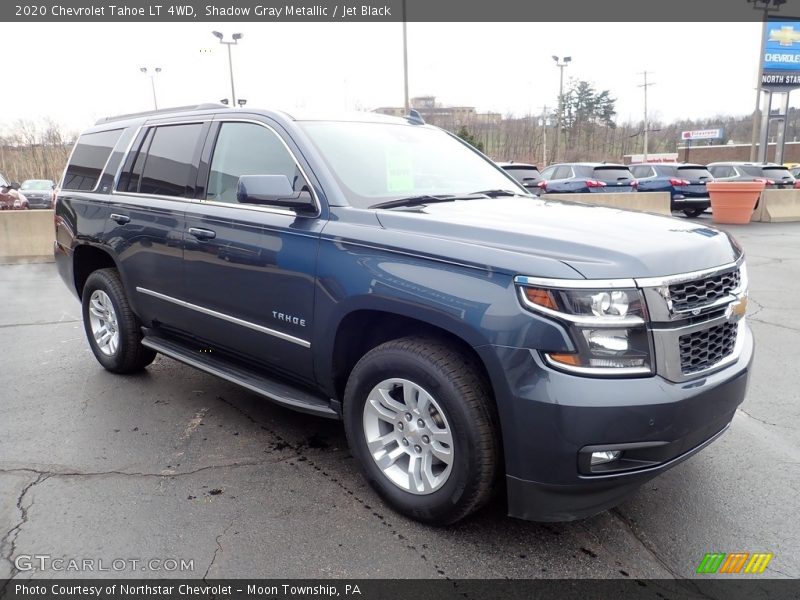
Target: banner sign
702	134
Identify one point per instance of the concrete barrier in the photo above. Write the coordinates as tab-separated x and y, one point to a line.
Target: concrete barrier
777	206
653	202
26	236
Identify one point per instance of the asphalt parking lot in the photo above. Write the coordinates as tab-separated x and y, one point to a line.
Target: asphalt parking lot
176	464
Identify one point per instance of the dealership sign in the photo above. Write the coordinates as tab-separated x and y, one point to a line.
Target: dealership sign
702	134
781	55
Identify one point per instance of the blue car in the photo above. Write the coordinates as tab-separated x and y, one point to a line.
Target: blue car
685	182
574	178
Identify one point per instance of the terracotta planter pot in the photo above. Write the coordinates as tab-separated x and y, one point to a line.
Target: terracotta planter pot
733	201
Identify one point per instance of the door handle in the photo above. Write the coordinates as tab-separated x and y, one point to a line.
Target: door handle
202	234
121	219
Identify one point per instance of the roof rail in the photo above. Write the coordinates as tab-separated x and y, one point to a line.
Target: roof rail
414	117
161	111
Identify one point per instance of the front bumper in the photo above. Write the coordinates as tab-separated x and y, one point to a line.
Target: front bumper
549	417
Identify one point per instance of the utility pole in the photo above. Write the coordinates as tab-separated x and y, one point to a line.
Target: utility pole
646	85
544	123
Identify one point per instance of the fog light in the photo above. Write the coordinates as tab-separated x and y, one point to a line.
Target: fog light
607	456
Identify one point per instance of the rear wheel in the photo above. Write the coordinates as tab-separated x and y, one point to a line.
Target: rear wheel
113	330
422	424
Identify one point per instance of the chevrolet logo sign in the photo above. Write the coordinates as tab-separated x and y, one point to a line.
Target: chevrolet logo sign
785	36
737	309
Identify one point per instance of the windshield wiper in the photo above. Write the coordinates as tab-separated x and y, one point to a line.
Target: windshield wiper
495	193
414	201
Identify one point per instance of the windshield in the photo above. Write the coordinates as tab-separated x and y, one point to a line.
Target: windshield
379	162
36	184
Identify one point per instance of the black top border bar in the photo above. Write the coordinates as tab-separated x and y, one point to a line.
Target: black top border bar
599	11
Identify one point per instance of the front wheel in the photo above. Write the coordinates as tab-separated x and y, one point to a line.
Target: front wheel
113	330
693	212
422	424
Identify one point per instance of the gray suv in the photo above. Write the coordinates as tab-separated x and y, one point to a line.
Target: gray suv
381	272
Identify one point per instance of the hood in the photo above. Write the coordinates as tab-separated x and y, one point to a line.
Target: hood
598	242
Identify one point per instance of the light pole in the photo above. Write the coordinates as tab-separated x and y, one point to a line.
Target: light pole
560	63
152	74
235	37
767	6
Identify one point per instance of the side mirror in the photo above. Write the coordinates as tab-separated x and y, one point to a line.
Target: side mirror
274	190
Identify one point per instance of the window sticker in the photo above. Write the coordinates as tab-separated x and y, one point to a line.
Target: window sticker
399	169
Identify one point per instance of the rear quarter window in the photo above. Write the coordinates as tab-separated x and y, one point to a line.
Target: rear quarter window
88	160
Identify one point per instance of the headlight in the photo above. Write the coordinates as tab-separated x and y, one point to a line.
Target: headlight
607	325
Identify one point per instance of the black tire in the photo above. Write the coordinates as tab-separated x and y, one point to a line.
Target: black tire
130	356
693	212
452	379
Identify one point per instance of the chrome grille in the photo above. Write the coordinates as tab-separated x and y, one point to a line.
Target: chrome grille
703	349
702	292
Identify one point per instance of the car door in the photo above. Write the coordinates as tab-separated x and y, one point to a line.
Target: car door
249	270
146	222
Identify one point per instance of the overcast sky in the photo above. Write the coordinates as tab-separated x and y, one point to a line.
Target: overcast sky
75	73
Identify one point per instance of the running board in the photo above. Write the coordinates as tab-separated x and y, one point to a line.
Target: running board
280	393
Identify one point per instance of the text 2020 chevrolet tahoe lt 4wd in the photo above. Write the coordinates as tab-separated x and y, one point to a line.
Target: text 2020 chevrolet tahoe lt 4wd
382	272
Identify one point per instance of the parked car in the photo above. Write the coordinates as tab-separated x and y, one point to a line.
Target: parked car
381	271
685	182
528	175
587	178
774	176
795	171
39	192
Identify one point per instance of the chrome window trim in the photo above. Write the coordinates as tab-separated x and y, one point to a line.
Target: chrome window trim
229	318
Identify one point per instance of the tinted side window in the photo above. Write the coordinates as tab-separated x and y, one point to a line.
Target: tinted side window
169	160
88	159
722	171
548	173
132	172
642	171
562	173
248	149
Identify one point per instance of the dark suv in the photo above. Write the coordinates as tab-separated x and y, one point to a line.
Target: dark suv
381	271
775	177
571	178
685	182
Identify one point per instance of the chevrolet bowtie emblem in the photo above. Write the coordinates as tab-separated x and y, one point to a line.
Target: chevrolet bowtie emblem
785	36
